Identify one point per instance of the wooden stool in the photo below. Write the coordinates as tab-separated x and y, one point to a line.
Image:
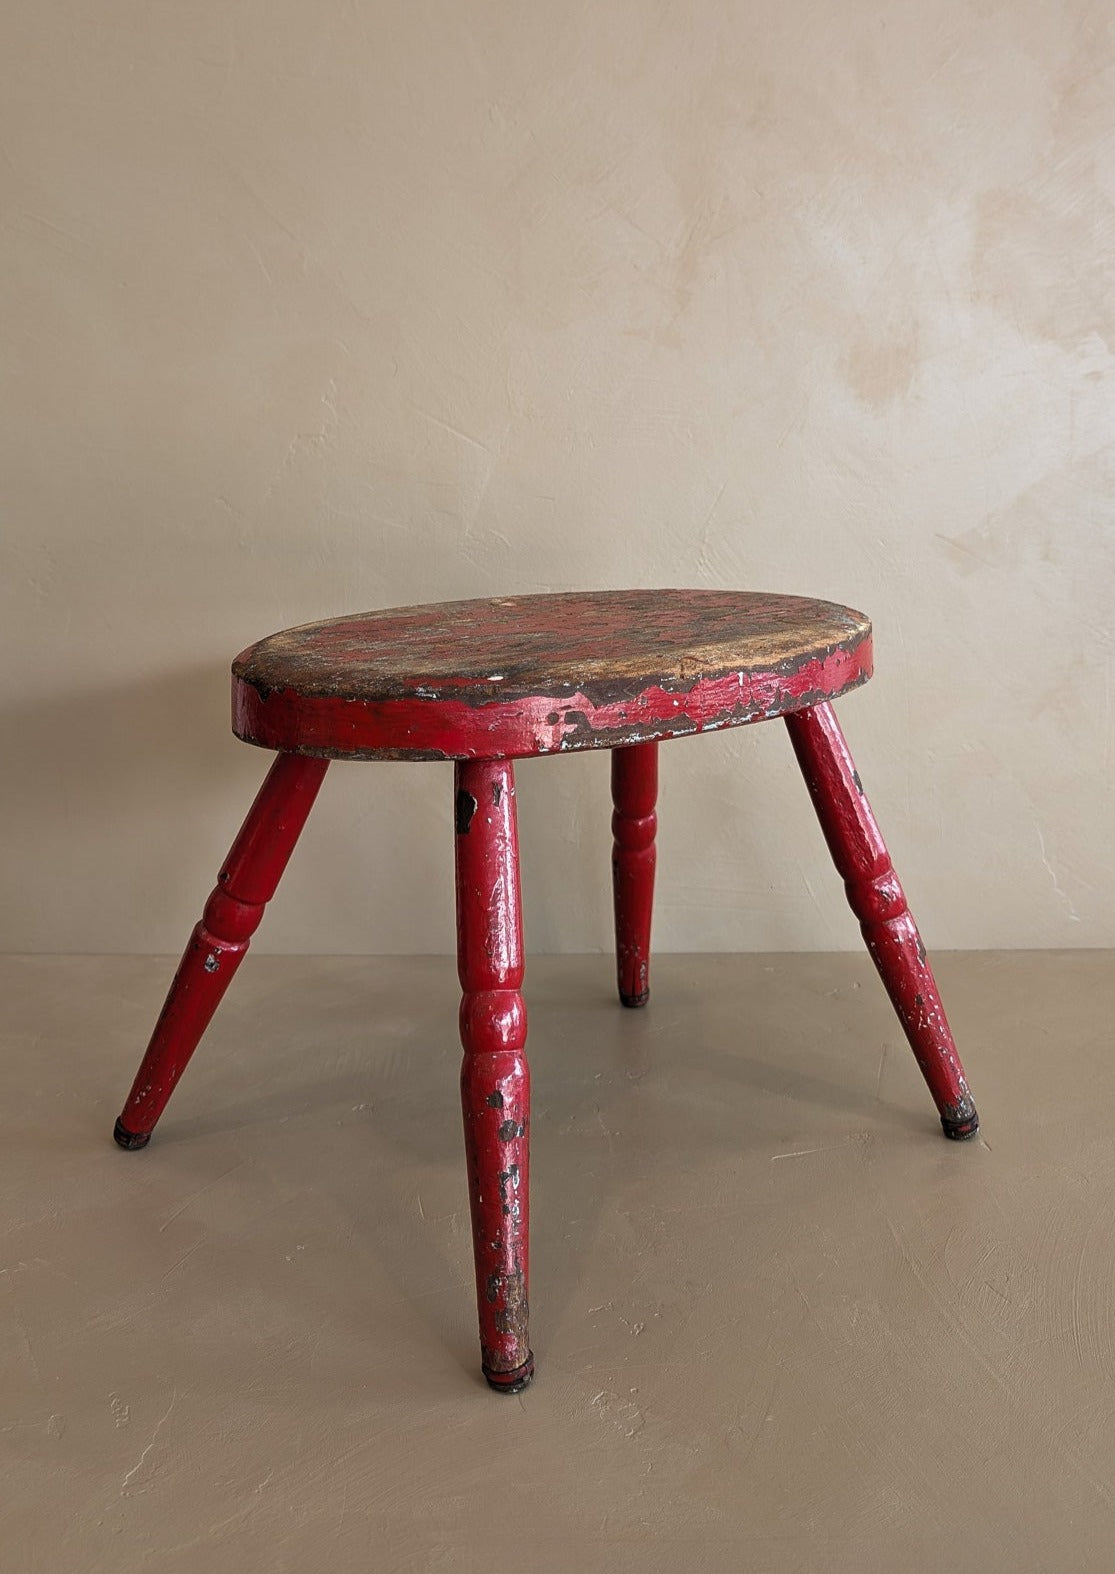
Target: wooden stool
484	683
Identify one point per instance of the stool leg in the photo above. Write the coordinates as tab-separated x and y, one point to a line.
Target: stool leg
634	823
495	1078
245	885
878	901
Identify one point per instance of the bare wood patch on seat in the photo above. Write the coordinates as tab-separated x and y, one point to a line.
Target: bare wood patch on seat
523	675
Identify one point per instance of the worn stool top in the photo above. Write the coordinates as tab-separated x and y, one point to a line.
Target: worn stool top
523	675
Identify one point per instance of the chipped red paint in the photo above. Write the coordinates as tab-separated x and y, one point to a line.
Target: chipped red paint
878	901
634	823
448	728
245	885
495	1078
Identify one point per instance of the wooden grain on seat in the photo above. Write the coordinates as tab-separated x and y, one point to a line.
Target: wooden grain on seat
522	675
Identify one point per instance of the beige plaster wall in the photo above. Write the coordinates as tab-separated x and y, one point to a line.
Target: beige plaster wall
315	307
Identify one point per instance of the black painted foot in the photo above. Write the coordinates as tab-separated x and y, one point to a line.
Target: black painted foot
511	1382
130	1139
633	1002
961	1130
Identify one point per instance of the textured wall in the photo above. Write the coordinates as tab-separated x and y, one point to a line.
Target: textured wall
310	308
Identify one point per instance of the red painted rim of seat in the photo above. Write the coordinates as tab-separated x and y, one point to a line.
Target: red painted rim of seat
423	729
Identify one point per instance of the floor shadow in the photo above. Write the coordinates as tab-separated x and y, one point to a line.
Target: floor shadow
605	1083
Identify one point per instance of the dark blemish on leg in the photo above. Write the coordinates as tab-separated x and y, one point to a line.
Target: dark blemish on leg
466	808
494	1100
508	1181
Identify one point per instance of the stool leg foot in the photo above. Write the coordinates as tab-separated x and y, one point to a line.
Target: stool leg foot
245	885
495	1077
878	901
634	825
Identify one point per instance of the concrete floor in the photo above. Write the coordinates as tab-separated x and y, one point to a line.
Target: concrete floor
780	1322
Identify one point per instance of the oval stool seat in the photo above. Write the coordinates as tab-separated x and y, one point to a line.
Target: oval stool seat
524	675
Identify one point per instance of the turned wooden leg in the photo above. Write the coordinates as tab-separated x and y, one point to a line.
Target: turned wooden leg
245	885
495	1078
878	901
634	823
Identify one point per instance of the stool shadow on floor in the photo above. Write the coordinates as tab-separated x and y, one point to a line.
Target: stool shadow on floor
657	1090
605	1080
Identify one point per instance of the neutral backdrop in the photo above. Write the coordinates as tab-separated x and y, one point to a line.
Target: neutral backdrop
309	308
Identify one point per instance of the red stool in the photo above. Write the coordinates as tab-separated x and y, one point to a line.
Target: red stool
483	683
